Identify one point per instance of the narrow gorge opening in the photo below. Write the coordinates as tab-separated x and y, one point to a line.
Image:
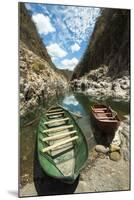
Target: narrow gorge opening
74	56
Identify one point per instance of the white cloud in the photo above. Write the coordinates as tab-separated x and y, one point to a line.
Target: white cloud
56	51
70	100
43	24
69	64
75	47
80	21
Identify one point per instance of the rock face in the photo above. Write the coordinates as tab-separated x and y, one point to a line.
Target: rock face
104	68
98	84
109	44
39	79
29	35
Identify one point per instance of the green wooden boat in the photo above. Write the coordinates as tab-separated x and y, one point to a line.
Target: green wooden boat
62	147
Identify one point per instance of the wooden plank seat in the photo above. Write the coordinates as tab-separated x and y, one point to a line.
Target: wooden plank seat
57	120
99	108
55	113
55	116
55	110
58	136
103	113
106	120
46	149
105	117
102	110
58	128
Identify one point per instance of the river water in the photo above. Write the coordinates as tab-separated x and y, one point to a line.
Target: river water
77	103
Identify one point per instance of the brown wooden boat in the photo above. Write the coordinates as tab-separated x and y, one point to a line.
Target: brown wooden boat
105	118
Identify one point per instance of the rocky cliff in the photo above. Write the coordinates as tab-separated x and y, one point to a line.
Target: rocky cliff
39	79
104	68
109	44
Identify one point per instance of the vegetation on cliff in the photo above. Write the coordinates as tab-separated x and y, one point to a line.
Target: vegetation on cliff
39	78
109	44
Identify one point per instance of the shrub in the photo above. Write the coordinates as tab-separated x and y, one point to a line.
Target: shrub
37	67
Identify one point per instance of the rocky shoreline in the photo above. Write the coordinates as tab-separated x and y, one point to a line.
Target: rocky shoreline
38	81
101	85
102	172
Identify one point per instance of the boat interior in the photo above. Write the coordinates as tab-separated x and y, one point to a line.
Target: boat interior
59	140
104	114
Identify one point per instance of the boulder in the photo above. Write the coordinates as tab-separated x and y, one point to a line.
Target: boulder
101	149
124	85
117	139
104	84
114	147
115	156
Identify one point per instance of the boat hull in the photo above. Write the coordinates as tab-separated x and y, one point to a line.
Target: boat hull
72	160
105	123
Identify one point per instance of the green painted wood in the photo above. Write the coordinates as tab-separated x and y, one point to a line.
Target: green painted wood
49	163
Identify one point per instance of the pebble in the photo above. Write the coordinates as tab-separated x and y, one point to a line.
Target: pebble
115	156
114	147
101	149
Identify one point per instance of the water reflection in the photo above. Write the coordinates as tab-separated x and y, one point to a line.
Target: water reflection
71	103
74	102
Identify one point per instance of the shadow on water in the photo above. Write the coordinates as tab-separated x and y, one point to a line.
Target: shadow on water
77	102
101	137
46	185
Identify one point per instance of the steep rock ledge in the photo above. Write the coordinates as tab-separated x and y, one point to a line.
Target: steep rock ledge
39	78
38	81
99	84
104	70
109	44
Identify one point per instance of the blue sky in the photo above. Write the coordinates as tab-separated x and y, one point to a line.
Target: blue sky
65	31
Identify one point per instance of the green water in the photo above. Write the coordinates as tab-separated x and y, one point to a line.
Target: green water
74	102
80	103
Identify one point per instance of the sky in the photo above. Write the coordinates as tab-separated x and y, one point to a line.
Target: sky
65	31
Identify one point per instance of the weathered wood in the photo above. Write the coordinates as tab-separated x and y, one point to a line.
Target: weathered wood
55	110
103	114
58	128
56	113
56	116
58	136
99	108
100	111
59	144
106	120
105	117
57	120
